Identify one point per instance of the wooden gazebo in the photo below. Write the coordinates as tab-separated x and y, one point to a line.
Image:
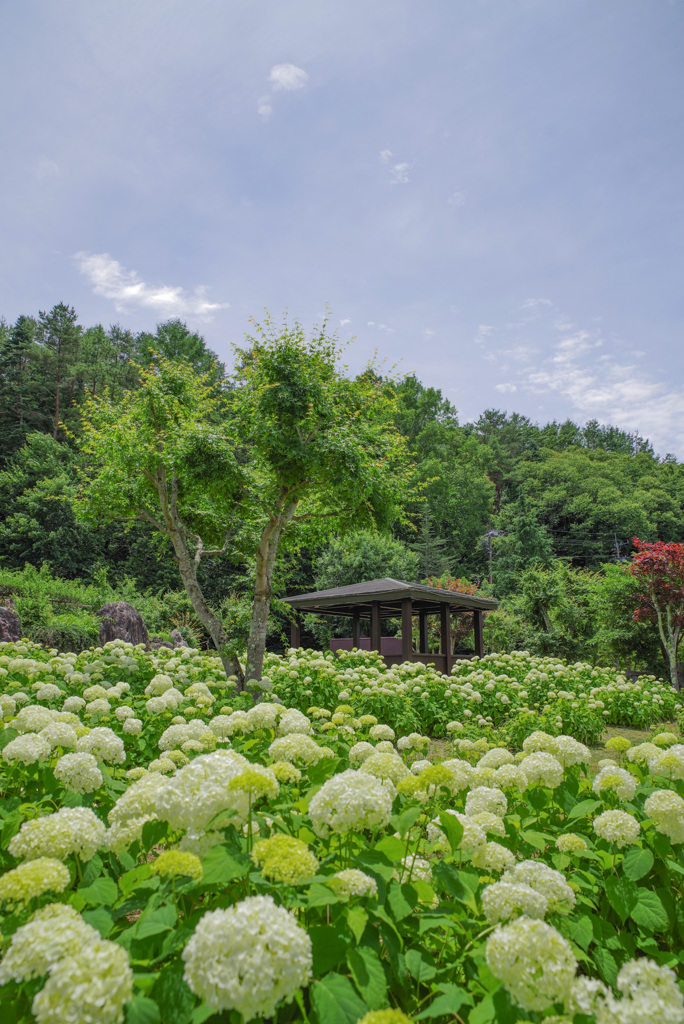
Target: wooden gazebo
387	598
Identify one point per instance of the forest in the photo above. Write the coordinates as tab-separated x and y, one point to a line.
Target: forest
542	516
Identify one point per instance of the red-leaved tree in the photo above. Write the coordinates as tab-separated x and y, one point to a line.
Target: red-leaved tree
659	571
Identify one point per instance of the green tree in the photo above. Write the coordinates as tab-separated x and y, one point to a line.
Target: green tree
175	341
59	335
324	454
522	540
618	639
431	550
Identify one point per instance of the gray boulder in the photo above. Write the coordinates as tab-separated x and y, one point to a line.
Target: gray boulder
10	626
121	621
178	640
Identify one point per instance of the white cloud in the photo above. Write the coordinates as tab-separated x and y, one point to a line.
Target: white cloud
505	388
264	107
126	289
343	323
288	77
46	169
456	199
385	154
399	174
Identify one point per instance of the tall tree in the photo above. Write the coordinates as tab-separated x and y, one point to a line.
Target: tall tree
324	454
659	570
59	335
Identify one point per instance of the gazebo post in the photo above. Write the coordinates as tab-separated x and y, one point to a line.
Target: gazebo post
478	620
406	628
296	632
376	628
356	628
445	634
423	633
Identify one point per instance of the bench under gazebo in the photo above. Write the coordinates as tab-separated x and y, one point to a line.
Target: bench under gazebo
387	598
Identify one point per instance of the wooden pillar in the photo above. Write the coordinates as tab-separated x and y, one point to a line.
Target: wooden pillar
423	633
445	634
296	632
356	628
406	628
376	628
478	620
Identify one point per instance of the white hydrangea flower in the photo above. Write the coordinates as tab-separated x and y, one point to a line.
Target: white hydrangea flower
200	790
296	748
549	882
642	753
617	827
92	985
567	751
385	767
510	776
413	869
649	993
473	840
104	744
382	732
32	879
75	830
78	773
158	685
571	843
53	932
48	692
133	726
495	758
506	899
293	721
616	780
59	734
263	715
666	810
27	749
485	798
534	961
419	766
350	802
359	752
493	857
542	769
669	763
491	823
101	706
352	882
123	712
248	958
32	718
73	704
539	741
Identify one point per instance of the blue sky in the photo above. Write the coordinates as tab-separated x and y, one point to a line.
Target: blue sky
489	193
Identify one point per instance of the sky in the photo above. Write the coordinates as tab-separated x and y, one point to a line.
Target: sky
488	193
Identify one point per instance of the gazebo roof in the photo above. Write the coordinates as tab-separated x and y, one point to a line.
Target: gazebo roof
389	593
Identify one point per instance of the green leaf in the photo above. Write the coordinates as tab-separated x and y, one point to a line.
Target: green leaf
219	867
92	870
584	808
649	913
622	895
160	920
153	832
536	839
329	945
578	929
142	1010
103	891
637	863
505	1010
357	919
335	1001
420	965
369	976
448	1003
402	900
172	995
323	770
451	880
484	1012
320	896
375	863
392	848
407	820
605	961
100	919
453	829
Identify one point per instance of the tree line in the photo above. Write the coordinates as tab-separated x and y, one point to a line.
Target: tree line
490	502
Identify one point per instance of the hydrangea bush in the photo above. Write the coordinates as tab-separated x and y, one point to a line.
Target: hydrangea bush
302	859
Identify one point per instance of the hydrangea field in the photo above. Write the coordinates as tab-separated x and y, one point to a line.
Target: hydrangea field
174	853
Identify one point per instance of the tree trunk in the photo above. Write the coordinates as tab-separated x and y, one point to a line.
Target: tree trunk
266	556
187	567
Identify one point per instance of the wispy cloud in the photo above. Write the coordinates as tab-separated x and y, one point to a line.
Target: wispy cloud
287	76
265	107
456	199
507	387
127	290
398	172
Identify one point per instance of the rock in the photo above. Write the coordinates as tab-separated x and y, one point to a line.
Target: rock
157	641
10	626
178	640
121	621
